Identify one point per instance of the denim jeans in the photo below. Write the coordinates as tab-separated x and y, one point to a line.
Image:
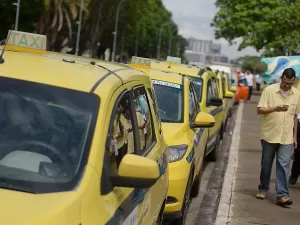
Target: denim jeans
283	157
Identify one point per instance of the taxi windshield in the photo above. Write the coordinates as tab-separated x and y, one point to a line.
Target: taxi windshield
198	86
45	134
170	102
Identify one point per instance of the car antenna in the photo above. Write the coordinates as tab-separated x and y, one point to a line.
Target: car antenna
170	64
3	50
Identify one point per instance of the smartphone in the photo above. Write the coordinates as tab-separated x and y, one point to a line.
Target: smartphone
285	106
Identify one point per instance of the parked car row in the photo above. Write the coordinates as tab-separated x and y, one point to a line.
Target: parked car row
90	142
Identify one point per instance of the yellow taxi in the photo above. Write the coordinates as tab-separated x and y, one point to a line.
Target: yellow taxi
226	95
81	141
207	91
183	129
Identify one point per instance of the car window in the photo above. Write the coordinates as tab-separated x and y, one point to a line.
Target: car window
170	101
198	86
210	92
192	104
215	87
46	134
223	85
121	136
195	97
155	106
144	118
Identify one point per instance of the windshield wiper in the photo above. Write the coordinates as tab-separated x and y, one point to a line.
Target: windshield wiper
8	186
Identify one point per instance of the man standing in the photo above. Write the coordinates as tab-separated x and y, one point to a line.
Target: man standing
258	81
278	105
250	79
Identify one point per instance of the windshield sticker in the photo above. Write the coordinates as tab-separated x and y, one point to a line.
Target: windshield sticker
197	83
164	83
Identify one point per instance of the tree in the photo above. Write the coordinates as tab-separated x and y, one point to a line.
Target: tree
28	17
269	25
252	63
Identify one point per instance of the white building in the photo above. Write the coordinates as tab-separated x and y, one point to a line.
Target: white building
200	52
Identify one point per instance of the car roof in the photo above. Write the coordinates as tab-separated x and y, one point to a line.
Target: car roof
62	70
177	68
163	75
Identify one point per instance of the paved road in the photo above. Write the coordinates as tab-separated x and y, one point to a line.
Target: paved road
203	209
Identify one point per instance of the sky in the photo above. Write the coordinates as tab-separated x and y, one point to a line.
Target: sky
193	18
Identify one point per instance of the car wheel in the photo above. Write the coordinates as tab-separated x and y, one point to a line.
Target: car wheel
161	215
196	185
213	156
186	203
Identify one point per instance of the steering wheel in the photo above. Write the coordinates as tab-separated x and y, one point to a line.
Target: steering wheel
50	151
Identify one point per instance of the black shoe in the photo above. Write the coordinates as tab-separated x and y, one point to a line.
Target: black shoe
293	179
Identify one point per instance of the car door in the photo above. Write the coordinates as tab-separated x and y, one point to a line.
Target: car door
153	148
128	205
217	112
195	133
212	130
199	138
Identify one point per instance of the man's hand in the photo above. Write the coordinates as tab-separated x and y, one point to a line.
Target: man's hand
280	108
295	143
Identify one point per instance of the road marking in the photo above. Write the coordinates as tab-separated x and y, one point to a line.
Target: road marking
224	209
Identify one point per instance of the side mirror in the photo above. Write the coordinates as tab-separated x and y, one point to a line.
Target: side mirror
228	94
214	101
232	89
136	172
203	120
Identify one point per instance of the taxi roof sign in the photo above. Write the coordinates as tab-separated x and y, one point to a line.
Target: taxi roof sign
174	59
22	41
140	62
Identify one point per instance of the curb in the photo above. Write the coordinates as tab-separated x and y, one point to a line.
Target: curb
224	209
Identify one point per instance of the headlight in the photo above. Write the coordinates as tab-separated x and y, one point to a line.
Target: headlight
177	152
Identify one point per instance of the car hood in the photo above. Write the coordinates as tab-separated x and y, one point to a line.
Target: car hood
175	133
19	208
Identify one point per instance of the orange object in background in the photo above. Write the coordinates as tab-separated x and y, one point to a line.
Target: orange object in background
242	90
242	93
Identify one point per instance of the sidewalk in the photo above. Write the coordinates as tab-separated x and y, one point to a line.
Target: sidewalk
244	207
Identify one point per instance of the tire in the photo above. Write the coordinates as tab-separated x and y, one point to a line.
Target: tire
230	113
213	156
159	220
196	185
186	203
226	123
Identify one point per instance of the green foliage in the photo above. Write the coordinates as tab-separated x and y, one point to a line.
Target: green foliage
252	63
139	25
28	18
269	25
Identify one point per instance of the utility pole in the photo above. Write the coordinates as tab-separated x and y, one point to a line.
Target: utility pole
17	4
178	48
137	43
79	27
159	39
116	30
123	40
170	45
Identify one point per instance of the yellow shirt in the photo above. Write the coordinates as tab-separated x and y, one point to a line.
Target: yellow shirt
116	131
128	125
277	127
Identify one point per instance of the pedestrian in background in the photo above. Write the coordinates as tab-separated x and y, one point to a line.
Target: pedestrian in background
250	80
258	82
278	105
